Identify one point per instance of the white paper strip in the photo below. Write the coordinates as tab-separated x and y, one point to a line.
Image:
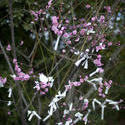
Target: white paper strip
93	73
32	113
79	117
57	42
54	105
9	103
106	90
68	122
86	116
10	92
77	63
102	116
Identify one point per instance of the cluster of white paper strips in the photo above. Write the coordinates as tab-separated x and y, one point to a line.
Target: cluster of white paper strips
54	104
79	116
84	58
103	105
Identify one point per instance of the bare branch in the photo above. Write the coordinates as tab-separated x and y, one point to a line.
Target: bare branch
12	27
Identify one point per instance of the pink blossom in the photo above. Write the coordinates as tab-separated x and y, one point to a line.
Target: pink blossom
8	48
17	69
40	11
99	90
2	81
21	42
102	19
110	44
33	12
67	21
105	84
74	32
9	113
46	89
108	8
94	18
37	87
80	98
55	29
60	32
36	19
32	22
77	39
103	95
81	80
62	28
88	6
31	71
82	32
76	83
100	47
16	78
49	4
100	94
101	70
14	61
86	77
89	38
99	56
26	77
55	20
69	42
85	106
110	82
68	87
64	51
98	62
42	93
66	35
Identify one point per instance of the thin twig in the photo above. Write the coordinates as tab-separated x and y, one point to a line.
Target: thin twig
7	59
34	96
12	27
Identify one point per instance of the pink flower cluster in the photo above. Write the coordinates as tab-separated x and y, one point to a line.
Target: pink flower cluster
36	14
108	8
107	85
56	26
76	83
100	47
88	6
42	87
101	19
100	90
43	84
97	61
49	4
20	76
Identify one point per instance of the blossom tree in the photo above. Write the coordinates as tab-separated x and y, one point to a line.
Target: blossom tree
62	78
